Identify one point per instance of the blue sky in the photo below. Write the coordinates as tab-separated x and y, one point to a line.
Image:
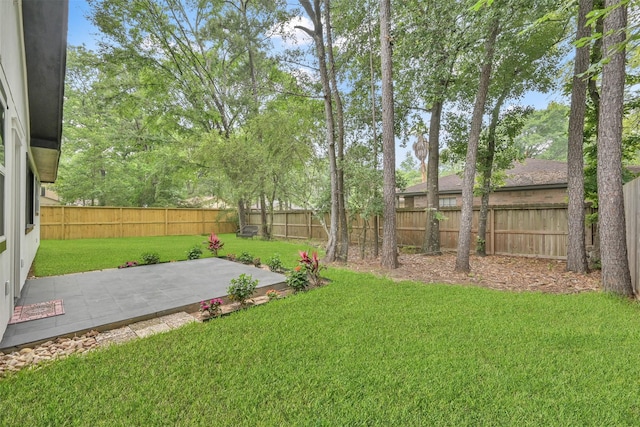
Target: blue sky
81	31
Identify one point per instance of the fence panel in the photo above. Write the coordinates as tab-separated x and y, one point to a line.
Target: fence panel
631	193
532	230
80	222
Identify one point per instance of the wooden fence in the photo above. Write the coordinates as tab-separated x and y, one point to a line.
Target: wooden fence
73	222
631	194
531	230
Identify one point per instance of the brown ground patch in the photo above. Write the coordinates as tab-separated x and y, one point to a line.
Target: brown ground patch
494	272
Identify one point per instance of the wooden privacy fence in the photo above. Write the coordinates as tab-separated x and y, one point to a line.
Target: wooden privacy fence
631	194
526	230
531	230
74	222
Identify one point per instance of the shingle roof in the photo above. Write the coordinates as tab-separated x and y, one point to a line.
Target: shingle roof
531	172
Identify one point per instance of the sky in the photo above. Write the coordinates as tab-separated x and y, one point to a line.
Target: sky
81	31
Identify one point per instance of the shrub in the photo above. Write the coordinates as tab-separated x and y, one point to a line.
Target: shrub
242	288
128	264
275	264
312	266
231	257
273	294
245	258
150	258
212	307
256	262
194	253
298	279
214	244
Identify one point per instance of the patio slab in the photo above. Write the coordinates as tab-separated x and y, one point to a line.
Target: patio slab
107	299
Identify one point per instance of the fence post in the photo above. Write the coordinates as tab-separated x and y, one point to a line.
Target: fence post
166	221
63	227
286	224
492	223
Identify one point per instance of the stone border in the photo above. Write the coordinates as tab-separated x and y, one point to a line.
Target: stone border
63	347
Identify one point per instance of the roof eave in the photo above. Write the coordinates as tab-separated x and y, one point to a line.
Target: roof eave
45	39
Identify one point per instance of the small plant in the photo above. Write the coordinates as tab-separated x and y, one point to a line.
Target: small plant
194	253
273	294
245	258
150	258
231	257
298	279
312	266
257	262
212	307
275	264
242	288
214	244
128	264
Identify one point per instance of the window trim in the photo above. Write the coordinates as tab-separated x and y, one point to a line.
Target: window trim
3	168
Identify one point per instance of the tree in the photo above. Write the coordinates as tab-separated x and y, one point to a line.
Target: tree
576	248
337	247
464	235
432	38
389	258
544	134
616	276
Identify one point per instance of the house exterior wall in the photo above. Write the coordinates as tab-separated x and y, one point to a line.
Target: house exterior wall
498	198
19	241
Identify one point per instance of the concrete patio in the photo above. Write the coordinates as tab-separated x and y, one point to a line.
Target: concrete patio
108	299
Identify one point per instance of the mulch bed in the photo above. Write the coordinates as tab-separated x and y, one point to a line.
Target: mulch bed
494	272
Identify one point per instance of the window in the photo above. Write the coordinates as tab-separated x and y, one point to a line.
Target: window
29	207
447	202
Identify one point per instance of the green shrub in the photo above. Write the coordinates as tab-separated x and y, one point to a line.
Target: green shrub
242	288
245	258
150	258
194	253
275	264
298	279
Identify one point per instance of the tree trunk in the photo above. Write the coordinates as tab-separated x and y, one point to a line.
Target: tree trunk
615	264
431	244
487	172
263	217
317	34
343	229
374	138
576	248
389	258
242	214
466	217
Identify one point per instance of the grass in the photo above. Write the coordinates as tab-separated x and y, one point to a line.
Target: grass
361	351
56	257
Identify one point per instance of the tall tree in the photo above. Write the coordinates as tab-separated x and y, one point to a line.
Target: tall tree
616	276
432	38
389	258
464	235
334	128
576	248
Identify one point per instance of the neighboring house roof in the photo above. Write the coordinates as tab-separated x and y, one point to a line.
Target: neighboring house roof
532	173
45	42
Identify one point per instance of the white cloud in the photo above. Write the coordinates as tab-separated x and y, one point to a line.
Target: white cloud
291	36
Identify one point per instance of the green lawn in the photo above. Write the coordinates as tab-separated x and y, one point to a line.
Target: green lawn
361	351
57	257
